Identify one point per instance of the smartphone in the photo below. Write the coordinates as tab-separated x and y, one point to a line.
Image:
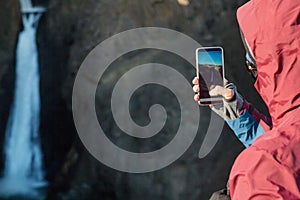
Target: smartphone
210	72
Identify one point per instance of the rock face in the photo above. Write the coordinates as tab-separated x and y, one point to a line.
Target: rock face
67	33
10	19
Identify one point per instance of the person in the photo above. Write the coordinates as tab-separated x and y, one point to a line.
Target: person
270	167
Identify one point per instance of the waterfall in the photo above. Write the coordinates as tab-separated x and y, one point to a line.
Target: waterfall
23	168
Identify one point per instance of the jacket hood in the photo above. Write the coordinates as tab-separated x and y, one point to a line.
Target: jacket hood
272	30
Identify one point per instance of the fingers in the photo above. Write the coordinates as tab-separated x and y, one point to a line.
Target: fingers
197	97
196	88
195	81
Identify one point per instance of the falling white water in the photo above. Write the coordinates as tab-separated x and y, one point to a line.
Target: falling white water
23	169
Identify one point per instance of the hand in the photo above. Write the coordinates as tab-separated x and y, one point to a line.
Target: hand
232	102
226	92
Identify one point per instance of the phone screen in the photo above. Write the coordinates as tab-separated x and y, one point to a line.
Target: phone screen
210	71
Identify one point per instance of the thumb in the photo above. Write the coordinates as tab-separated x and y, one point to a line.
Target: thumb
227	93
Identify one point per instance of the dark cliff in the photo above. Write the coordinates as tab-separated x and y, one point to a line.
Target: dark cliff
11	22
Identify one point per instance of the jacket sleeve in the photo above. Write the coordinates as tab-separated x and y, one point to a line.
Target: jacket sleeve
250	124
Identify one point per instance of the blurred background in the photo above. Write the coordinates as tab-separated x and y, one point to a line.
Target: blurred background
66	33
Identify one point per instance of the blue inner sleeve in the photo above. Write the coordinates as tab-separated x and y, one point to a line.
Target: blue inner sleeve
246	128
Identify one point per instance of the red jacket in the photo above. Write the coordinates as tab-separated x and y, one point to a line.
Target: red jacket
270	167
